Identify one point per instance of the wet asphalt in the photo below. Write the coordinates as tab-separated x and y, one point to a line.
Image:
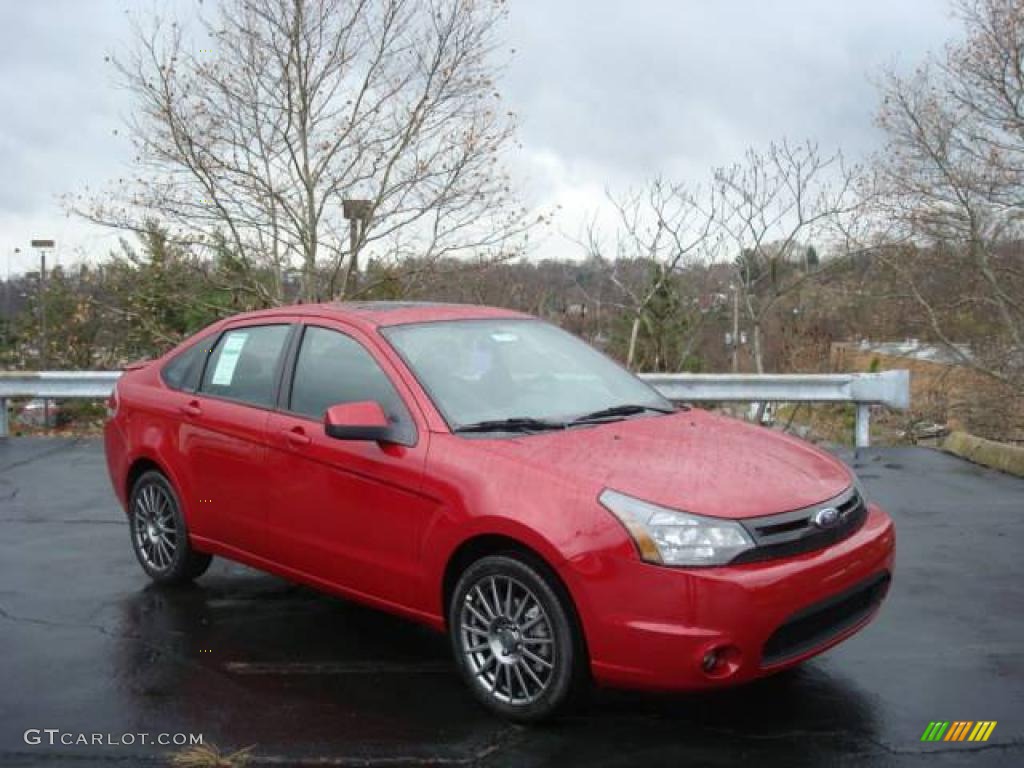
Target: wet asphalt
87	645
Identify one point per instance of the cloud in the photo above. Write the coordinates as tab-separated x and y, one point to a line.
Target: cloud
60	111
608	92
643	84
622	91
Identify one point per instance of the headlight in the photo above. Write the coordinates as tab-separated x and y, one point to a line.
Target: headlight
669	537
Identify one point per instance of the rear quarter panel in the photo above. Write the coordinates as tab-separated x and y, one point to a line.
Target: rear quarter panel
147	427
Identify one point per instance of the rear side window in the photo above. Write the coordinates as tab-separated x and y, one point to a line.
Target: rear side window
182	370
244	364
333	368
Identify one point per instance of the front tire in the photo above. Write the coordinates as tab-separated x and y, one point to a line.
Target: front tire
515	638
159	536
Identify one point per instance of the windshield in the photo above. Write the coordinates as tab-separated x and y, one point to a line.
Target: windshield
479	371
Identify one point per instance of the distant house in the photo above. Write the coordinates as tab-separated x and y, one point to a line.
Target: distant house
914	349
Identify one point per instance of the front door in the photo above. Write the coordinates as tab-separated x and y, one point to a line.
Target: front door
347	512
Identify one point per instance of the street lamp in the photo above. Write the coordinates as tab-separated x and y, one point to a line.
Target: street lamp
357	213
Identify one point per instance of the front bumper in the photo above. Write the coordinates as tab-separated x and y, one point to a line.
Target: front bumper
648	626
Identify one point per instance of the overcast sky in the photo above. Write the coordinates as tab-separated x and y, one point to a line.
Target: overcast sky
608	92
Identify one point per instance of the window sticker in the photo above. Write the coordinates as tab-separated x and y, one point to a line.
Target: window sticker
225	370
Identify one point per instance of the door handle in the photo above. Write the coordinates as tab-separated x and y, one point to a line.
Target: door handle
192	408
297	436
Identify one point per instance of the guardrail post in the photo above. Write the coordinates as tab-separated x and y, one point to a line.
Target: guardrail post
863	437
3	417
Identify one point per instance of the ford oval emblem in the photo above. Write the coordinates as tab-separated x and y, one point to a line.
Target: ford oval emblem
827	517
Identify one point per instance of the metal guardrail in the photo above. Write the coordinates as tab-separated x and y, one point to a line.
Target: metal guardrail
890	388
63	384
86	385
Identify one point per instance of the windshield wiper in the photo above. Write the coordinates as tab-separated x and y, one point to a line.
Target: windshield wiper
617	411
528	424
516	424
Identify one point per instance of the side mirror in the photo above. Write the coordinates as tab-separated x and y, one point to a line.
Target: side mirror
364	420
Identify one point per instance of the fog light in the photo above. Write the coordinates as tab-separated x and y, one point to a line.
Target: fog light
721	661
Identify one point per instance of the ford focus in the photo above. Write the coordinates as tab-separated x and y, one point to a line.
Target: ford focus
497	479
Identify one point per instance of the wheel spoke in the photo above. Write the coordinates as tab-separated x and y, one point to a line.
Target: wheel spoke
147	495
494	594
476	614
533	622
519	608
483	602
491	661
164	552
537	659
531	673
522	682
538	641
168	543
158	555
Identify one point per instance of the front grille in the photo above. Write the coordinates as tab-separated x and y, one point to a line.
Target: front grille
793	533
815	626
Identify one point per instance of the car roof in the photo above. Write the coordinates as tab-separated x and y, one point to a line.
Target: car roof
373	314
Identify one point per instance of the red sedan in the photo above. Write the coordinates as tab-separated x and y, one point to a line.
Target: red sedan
495	478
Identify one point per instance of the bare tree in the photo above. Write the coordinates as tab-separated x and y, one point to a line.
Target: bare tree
950	184
253	125
772	203
668	226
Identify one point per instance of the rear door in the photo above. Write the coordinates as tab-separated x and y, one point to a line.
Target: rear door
349	512
224	434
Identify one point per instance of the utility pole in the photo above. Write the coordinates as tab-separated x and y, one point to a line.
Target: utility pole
7	299
43	245
735	327
357	212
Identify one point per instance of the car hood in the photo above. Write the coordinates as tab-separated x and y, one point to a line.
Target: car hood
691	460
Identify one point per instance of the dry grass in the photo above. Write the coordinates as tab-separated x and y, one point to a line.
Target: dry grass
209	756
831	422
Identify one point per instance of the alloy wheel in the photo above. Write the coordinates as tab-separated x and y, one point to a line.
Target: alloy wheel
156	535
507	640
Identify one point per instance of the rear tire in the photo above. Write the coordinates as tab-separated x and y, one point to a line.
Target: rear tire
159	536
515	638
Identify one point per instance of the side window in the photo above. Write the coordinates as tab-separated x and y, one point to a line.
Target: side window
182	370
333	368
243	365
